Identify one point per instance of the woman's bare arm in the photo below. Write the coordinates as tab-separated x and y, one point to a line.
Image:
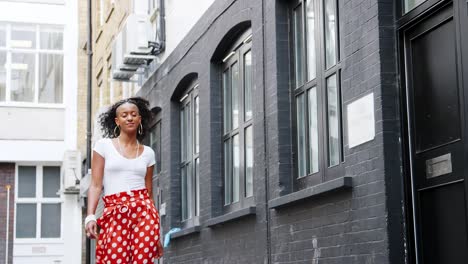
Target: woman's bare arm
95	189
149	181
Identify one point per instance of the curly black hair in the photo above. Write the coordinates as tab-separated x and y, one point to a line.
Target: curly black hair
107	119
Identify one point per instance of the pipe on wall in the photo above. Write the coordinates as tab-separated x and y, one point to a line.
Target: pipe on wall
89	108
8	187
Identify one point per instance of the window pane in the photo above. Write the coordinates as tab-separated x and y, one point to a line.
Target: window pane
310	20
157	146
184	193
2	76
330	32
333	121
226	101
235	95
50	220
313	131
410	4
51	38
23	37
2	35
26	181
301	136
51	78
190	187
197	187
248	162
298	46
235	169
188	125
183	136
155	143
248	85
26	220
197	126
51	184
227	172
22	77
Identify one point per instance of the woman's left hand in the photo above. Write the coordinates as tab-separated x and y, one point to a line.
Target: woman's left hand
160	250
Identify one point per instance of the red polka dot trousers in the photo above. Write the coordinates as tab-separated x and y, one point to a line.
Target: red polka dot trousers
129	229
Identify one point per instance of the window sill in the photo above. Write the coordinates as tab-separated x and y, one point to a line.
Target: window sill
186	231
38	241
342	183
32	105
231	216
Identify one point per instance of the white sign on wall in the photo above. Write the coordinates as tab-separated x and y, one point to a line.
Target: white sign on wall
361	121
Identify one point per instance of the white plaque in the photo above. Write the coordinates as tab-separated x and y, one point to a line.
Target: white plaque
361	121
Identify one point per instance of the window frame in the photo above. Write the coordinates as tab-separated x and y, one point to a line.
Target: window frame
156	125
187	100
38	201
235	55
37	51
49	2
404	18
325	171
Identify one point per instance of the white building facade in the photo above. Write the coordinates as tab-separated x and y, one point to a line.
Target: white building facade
39	163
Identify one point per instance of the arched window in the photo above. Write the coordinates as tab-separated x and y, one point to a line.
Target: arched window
237	85
189	152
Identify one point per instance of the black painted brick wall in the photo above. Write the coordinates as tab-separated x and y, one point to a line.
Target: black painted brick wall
345	227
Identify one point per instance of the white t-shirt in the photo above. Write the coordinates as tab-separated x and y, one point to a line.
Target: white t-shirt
122	174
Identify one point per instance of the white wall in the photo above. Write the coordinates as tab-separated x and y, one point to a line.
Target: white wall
39	123
181	16
26	123
41	135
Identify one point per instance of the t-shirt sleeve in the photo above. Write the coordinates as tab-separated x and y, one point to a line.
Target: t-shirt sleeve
151	158
100	147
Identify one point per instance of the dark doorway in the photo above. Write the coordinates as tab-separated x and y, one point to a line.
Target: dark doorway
436	111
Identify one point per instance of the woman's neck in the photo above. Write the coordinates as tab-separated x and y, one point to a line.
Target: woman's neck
127	139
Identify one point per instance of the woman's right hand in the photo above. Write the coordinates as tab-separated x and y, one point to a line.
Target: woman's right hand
91	230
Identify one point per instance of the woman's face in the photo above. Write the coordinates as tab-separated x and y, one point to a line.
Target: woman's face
128	117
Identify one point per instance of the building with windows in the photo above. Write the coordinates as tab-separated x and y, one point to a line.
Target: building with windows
39	161
131	38
315	131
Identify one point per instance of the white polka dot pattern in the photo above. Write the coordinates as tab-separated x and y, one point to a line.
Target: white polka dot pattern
129	228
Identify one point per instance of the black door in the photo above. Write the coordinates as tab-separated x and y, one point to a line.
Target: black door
436	133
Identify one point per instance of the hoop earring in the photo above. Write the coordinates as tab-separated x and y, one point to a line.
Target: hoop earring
140	129
115	131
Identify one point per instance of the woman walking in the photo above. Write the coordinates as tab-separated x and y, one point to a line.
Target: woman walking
129	226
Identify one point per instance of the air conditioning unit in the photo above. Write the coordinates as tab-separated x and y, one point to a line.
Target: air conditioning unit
71	171
130	50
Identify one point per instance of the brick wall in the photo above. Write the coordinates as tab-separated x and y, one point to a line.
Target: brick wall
7	177
346	227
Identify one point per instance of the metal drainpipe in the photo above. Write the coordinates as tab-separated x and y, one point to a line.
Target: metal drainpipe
89	99
162	24
89	109
266	147
7	222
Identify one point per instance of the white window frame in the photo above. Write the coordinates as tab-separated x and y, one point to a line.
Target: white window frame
51	2
38	200
37	51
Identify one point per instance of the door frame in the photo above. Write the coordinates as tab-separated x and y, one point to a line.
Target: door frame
414	18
